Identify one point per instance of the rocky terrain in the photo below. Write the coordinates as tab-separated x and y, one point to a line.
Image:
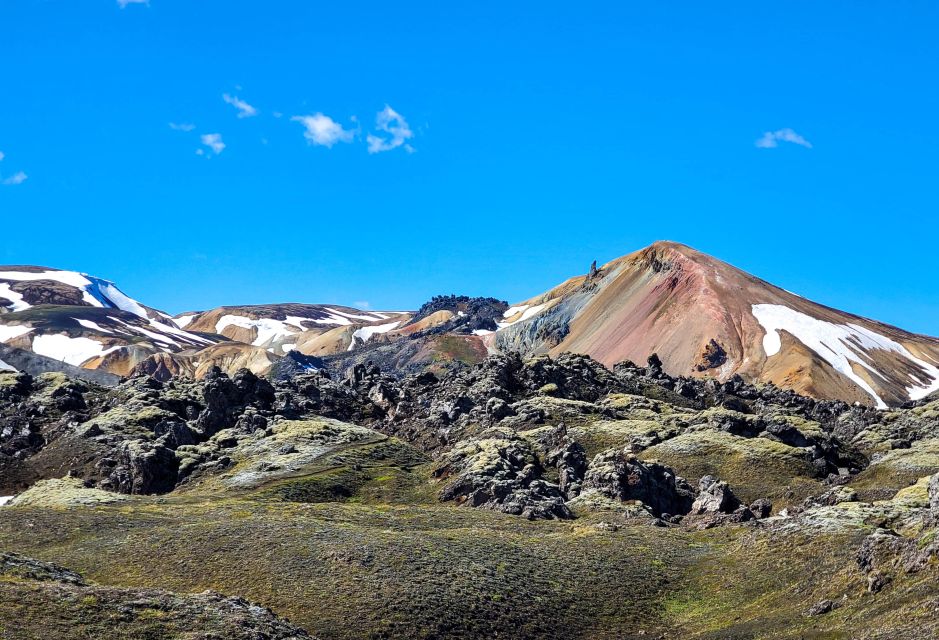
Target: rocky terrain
41	599
665	447
531	496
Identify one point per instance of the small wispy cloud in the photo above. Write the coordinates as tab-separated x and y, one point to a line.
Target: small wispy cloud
245	110
361	304
771	139
2	156
17	178
123	3
393	123
213	141
323	131
182	126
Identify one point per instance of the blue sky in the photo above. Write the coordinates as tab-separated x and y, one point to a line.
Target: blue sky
387	152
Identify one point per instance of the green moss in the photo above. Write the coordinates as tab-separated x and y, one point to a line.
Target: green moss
895	469
8	379
357	570
753	467
65	492
599	435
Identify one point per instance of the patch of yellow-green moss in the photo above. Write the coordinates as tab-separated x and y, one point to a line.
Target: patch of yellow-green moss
64	492
895	469
753	467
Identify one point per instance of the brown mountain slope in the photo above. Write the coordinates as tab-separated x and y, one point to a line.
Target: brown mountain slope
282	327
705	317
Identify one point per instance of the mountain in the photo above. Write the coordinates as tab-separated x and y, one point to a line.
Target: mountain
85	321
284	327
88	322
702	317
706	318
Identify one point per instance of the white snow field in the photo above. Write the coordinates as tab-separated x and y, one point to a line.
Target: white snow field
840	345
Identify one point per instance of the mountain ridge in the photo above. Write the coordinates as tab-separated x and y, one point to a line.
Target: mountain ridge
702	317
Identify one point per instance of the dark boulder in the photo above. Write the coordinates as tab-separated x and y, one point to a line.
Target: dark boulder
621	475
143	468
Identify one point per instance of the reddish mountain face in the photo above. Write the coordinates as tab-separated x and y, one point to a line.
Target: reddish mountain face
704	317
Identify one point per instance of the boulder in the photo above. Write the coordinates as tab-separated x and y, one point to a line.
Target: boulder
143	468
621	475
500	473
714	496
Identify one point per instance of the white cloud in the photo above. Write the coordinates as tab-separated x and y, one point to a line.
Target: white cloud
361	304
323	130
2	156
123	3
391	122
17	178
214	142
245	110
771	139
182	126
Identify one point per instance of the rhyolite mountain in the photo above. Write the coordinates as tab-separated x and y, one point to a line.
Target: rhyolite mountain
702	318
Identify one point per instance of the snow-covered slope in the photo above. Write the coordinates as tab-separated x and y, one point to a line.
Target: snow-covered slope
281	327
24	287
83	320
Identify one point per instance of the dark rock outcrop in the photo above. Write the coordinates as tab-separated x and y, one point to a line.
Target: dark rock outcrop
143	467
501	473
622	476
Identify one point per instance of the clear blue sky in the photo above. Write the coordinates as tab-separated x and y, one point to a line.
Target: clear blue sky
530	139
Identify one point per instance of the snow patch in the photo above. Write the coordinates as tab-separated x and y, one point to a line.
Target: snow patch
527	312
173	330
159	337
119	299
366	317
839	345
511	311
365	333
268	329
288	347
183	321
297	321
88	324
69	350
333	319
5	367
482	332
5	499
16	298
8	332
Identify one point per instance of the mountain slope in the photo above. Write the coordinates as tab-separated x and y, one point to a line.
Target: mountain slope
705	317
283	327
85	321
